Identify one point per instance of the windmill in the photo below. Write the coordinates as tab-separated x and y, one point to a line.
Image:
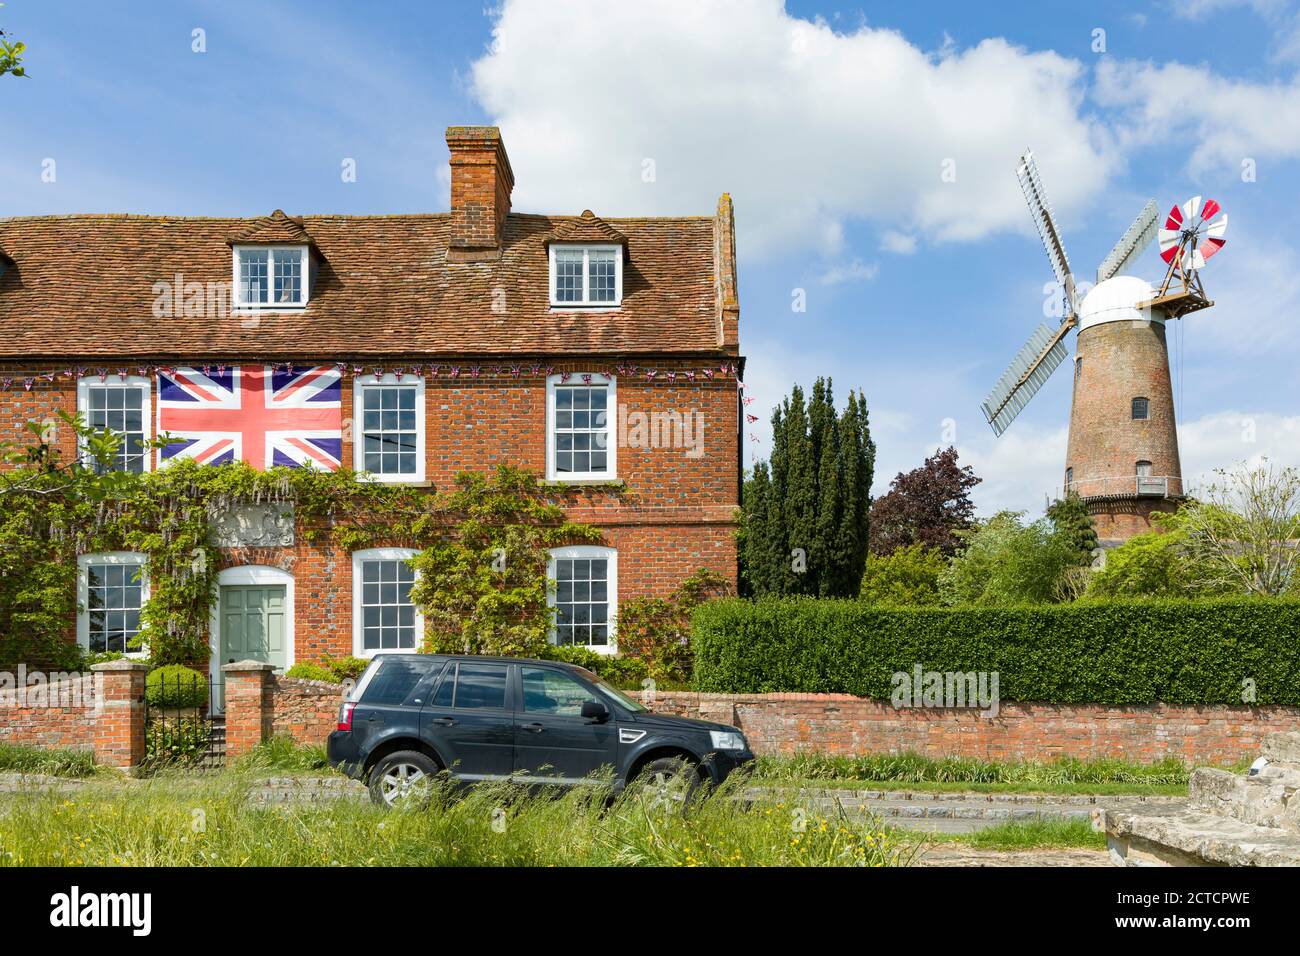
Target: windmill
1123	449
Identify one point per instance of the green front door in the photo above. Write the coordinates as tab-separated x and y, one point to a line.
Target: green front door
253	625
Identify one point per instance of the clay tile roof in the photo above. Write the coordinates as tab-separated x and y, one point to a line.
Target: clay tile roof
271	230
586	228
85	285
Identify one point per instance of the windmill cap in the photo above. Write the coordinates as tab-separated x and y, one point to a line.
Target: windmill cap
1116	300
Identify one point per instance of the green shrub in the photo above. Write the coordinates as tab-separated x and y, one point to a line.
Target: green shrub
907	577
334	670
175	686
175	742
624	672
1133	652
306	670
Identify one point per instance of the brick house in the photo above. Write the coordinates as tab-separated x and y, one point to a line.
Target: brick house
593	351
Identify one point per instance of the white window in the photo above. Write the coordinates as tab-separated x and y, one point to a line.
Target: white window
580	439
1143	469
383	617
586	276
120	405
389	435
111	591
585	597
271	277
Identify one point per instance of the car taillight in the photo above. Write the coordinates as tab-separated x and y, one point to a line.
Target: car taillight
345	716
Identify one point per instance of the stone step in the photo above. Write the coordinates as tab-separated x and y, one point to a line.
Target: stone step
1173	836
1267	799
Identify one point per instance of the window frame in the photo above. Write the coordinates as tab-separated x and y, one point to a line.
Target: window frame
140	383
1146	409
84	561
358	629
611	439
236	294
587	249
1139	465
579	552
388	380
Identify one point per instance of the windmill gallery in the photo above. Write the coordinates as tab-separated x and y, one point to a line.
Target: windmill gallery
1122	457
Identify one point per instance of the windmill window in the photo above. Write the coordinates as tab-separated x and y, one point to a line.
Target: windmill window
1141	409
1069	478
1144	469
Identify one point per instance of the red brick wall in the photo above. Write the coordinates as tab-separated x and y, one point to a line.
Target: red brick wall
306	710
58	728
841	724
1122	361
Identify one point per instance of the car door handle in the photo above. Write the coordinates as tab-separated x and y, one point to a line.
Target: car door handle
443	721
535	728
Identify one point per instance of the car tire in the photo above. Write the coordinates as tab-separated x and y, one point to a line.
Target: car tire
401	778
669	781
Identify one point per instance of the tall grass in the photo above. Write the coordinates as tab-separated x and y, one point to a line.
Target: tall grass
285	754
210	823
914	768
53	763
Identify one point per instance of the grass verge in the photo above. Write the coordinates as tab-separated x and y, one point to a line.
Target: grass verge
913	771
1046	833
52	763
165	822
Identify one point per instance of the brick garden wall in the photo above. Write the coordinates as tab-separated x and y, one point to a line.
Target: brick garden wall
69	727
842	724
306	710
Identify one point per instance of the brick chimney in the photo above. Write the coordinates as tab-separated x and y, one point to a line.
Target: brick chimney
481	181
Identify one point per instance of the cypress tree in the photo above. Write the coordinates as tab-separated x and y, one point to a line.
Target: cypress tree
814	495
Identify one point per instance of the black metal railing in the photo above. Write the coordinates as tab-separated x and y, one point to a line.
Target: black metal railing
184	721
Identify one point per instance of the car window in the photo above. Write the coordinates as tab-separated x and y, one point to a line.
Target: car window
480	686
447	688
551	692
396	678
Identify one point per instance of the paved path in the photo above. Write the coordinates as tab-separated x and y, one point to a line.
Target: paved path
949	854
954	812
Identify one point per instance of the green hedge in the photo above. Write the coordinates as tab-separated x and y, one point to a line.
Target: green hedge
1140	652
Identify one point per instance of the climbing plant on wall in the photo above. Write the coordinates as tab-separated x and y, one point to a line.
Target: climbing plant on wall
484	544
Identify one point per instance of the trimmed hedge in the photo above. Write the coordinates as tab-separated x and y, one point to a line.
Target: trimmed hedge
1138	652
175	686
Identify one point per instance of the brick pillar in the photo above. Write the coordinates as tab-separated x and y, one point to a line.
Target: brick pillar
119	725
249	708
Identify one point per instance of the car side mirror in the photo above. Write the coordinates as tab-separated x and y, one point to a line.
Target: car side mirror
595	710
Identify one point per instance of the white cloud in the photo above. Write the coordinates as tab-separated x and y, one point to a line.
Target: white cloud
854	271
898	243
807	127
1225	121
1225	439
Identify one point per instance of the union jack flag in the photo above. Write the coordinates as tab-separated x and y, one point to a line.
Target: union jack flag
253	413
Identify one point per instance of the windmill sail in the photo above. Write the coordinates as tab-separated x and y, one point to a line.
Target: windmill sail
1026	374
1131	245
1031	184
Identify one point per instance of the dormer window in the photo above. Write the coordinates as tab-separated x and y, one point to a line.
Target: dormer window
584	276
271	277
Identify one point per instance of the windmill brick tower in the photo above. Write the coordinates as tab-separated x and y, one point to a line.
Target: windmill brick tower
1122	458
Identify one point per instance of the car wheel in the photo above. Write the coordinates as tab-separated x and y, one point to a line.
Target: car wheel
402	778
669	782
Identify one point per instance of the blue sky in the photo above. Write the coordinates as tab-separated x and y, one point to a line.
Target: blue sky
830	126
